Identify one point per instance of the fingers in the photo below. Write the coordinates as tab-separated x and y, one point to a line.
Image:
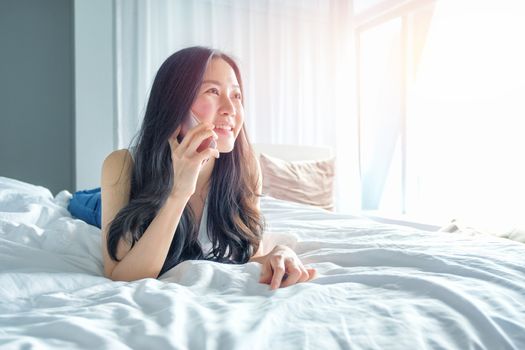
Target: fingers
266	273
174	142
176	134
304	275
278	274
194	137
312	274
281	270
206	144
210	152
287	276
196	142
294	274
202	136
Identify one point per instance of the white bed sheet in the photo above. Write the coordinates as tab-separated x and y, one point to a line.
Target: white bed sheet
380	287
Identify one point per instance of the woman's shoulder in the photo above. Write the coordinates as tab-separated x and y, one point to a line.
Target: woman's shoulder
119	155
119	158
117	167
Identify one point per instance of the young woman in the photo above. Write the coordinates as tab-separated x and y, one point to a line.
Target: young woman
174	196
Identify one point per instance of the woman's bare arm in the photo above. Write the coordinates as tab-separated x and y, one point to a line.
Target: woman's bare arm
146	258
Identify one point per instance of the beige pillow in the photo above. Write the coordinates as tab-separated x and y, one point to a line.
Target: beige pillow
308	182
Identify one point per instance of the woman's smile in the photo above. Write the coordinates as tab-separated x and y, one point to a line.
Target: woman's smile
226	131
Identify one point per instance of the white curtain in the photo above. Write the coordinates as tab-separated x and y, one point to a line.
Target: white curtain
296	58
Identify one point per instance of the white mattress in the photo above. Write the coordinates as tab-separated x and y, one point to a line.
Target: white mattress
380	287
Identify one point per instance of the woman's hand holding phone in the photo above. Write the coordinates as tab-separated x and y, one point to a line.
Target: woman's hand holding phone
188	158
189	123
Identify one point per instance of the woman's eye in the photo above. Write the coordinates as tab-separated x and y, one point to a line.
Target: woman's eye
238	96
213	91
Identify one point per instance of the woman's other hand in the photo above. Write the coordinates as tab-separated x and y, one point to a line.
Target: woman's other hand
187	161
282	268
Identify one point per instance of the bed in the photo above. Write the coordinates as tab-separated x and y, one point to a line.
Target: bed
380	286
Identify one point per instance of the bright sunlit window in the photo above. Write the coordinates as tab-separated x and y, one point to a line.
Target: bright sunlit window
442	110
363	5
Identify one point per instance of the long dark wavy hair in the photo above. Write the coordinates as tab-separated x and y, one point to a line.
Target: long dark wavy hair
234	224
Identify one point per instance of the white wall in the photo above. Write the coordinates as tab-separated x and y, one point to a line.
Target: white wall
94	92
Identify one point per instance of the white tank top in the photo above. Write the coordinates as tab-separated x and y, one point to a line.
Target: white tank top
204	239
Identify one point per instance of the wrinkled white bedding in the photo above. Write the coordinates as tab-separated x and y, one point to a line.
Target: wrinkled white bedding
380	287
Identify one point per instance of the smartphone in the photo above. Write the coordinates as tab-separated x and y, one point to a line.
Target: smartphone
190	122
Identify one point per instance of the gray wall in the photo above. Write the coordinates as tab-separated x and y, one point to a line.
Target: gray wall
37	142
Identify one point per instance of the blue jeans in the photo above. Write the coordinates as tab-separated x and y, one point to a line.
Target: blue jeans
87	206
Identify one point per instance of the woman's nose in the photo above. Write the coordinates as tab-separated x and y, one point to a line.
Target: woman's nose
227	107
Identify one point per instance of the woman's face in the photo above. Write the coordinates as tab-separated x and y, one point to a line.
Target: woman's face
219	101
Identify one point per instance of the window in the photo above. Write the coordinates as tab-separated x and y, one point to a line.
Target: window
441	93
389	48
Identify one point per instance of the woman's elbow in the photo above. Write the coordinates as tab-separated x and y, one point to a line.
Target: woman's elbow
117	275
108	273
